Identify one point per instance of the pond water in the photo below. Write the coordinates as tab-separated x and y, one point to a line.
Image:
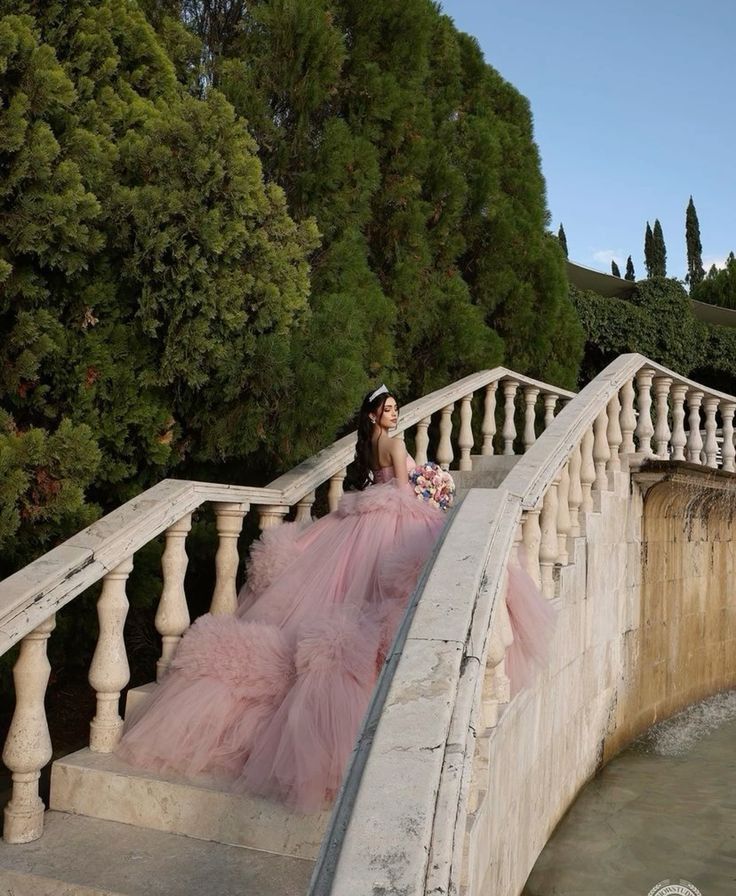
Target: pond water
664	810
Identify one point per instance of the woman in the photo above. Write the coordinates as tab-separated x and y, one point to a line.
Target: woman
273	699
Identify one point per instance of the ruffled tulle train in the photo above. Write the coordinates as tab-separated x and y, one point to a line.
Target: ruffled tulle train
272	700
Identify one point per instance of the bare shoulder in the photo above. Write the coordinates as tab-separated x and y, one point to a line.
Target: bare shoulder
396	448
398	455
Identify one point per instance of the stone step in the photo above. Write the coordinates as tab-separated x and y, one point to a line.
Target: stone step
488	471
99	785
88	857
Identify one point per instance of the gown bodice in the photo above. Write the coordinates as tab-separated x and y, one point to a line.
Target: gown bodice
386	474
383	474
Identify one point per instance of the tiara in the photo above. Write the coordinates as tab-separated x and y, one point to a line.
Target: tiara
379	391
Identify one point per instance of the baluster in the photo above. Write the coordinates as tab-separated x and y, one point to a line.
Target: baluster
576	491
229	518
304	508
694	439
271	515
587	470
509	409
421	442
679	438
488	429
28	745
644	429
532	539
465	436
496	684
548	548
613	433
728	452
335	491
109	671
662	430
550	400
172	615
530	400
628	418
444	449
710	406
601	451
564	524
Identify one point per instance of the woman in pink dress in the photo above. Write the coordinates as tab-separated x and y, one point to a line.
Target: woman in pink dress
272	700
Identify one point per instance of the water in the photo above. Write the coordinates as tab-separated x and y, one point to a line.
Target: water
664	809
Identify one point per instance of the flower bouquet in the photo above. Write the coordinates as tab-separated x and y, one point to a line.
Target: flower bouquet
433	484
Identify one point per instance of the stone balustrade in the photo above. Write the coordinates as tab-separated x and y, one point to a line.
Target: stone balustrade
544	506
567	462
105	551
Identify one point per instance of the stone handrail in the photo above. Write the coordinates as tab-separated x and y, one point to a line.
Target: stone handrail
40	589
321	466
104	551
449	684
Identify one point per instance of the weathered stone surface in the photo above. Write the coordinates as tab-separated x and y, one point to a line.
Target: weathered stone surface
88	857
101	786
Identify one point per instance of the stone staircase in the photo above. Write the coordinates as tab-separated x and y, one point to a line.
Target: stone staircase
80	856
114	830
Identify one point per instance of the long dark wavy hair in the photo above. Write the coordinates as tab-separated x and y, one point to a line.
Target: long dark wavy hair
363	475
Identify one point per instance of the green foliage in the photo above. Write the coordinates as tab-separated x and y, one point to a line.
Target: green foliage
615	269
221	223
151	282
630	275
562	240
657	322
649	259
719	285
695	272
659	252
43	477
414	157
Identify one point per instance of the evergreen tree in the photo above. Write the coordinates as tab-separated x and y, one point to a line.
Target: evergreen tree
649	253
614	269
152	282
372	120
695	271
718	287
629	275
659	252
563	240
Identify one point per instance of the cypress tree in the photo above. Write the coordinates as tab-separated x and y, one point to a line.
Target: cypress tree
630	275
614	269
563	240
649	252
659	251
695	271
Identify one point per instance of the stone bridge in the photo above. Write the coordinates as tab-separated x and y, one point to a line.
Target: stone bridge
622	497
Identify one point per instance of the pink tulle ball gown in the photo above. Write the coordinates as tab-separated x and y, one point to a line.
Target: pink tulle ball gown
271	700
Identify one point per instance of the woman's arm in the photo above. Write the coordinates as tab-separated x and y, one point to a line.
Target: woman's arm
397	450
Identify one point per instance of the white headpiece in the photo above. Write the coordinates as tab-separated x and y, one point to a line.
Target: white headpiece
379	391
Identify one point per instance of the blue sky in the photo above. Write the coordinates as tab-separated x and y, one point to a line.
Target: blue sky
633	106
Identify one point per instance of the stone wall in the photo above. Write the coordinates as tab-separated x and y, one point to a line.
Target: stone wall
681	648
646	626
549	740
